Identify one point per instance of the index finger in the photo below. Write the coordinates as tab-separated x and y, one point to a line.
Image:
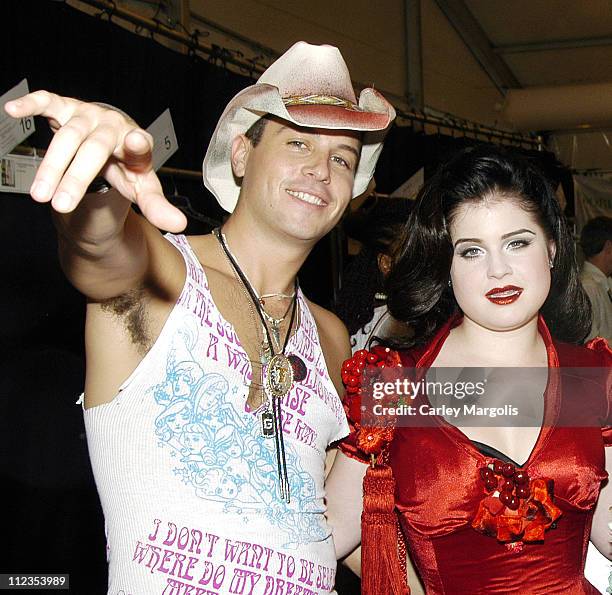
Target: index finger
40	103
136	150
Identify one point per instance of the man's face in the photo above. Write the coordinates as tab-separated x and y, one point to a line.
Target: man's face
297	181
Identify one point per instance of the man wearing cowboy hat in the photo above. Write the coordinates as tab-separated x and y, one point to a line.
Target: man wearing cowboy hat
212	481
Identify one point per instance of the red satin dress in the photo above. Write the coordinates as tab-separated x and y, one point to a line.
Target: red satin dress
438	491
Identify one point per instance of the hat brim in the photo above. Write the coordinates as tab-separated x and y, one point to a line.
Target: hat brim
335	117
372	118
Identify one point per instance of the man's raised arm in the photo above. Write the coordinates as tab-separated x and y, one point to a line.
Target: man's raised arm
104	246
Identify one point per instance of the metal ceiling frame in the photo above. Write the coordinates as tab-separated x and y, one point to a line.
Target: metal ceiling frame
558	44
472	34
413	49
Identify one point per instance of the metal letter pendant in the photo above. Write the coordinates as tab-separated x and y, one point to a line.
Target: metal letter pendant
279	376
267	424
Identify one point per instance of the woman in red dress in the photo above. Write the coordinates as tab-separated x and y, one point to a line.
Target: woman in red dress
488	279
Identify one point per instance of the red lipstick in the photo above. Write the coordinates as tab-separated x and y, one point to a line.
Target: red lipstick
504	295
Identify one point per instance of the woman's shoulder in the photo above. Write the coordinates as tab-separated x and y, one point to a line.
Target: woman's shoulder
596	353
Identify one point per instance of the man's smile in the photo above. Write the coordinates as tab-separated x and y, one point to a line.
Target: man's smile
307	197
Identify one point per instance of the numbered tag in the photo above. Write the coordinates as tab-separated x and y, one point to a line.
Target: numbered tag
17	173
13	131
164	137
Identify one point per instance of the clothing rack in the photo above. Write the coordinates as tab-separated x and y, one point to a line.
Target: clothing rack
601	173
191	40
470	129
224	57
185	174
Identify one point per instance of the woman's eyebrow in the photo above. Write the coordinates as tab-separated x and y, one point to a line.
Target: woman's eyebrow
463	240
506	235
514	233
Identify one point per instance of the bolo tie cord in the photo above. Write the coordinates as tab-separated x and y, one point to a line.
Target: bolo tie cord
279	442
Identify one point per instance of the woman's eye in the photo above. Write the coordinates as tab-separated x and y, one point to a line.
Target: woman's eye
470	252
514	244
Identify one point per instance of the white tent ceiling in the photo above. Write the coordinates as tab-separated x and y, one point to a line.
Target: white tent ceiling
549	42
560	53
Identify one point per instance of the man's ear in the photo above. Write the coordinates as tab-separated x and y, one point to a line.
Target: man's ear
241	147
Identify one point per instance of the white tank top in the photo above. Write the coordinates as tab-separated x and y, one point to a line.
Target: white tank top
189	487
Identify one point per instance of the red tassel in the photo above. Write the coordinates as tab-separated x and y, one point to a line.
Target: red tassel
381	572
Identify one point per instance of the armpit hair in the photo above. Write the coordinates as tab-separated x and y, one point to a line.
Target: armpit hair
130	307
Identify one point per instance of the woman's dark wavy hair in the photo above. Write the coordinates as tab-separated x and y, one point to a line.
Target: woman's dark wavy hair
417	287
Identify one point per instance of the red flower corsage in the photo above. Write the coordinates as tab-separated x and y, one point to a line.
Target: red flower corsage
515	508
370	440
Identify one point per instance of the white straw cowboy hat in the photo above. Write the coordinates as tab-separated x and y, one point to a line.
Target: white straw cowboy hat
308	85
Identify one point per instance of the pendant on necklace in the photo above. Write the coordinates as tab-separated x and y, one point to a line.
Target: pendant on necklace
267	423
266	352
275	334
279	376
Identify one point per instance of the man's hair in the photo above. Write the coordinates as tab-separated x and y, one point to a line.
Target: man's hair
256	130
417	287
595	234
